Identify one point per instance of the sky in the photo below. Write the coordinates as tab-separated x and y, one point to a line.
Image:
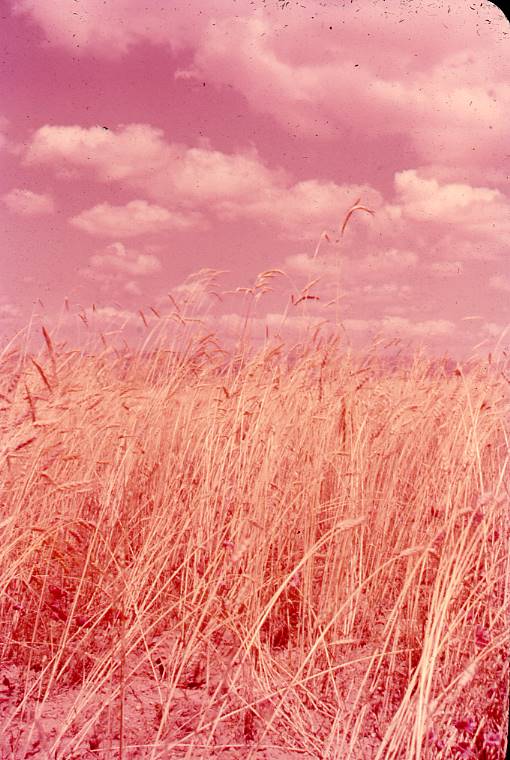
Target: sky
198	162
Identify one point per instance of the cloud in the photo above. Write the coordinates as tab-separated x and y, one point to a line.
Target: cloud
133	288
388	260
500	282
465	250
130	153
476	212
192	292
139	156
135	218
239	185
401	326
4	124
303	263
426	199
428	327
27	203
427	87
236	185
304	207
112	29
494	330
116	258
8	310
210	175
447	268
199	288
112	314
234	324
393	326
114	268
419	78
372	264
387	291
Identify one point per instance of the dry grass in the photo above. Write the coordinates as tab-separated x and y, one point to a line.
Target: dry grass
252	557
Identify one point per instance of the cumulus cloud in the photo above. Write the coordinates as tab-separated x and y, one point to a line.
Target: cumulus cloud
494	330
239	185
27	203
392	326
426	199
210	175
311	65
393	260
233	323
193	291
130	153
234	185
303	263
132	288
116	258
477	213
464	249
112	314
115	269
306	205
387	291
500	282
388	260
442	109
140	157
4	123
135	218
446	268
112	29
8	310
401	326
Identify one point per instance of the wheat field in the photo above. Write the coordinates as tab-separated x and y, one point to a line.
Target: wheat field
290	552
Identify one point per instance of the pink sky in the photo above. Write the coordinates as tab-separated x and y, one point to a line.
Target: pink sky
141	142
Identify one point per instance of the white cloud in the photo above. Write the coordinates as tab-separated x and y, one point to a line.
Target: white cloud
372	264
113	269
388	260
436	79
139	156
433	92
9	310
500	282
494	330
27	203
458	215
419	329
304	264
466	250
4	123
131	152
133	288
426	199
135	218
447	268
116	258
210	175
401	326
234	185
234	323
192	291
387	291
304	208
111	29
111	314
